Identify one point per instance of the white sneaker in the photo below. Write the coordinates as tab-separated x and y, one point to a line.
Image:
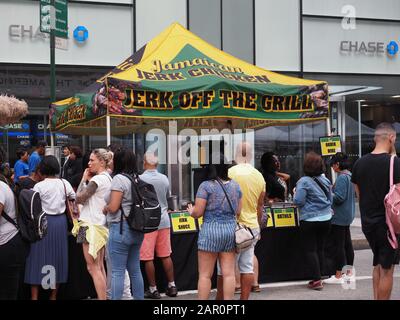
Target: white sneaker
334	280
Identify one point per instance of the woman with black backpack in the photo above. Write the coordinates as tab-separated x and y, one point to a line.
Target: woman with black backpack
123	243
13	250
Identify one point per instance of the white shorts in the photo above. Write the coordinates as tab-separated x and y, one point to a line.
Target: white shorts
244	259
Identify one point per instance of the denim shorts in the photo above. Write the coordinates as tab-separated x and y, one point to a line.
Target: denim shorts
244	259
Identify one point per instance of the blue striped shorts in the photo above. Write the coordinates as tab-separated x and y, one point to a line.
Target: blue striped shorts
217	236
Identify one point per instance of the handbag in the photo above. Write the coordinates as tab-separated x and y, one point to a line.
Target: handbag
244	237
71	209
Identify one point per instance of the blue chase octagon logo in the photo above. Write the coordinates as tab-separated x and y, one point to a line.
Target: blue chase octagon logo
81	34
392	48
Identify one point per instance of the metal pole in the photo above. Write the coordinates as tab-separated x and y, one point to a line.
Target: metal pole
52	64
329	133
301	39
328	127
108	130
359	129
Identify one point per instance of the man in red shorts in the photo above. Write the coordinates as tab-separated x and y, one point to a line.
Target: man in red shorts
159	241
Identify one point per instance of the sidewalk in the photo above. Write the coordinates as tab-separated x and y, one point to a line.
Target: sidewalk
357	236
297	290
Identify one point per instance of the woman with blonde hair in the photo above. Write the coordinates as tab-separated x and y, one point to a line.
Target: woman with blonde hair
91	230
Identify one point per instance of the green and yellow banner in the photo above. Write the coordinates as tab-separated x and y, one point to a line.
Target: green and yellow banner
179	76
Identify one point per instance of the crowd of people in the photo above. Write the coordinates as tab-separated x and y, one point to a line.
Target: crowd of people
101	191
99	185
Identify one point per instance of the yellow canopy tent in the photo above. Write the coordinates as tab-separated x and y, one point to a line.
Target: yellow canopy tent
178	76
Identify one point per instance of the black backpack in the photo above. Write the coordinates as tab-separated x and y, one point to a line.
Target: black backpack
31	219
145	214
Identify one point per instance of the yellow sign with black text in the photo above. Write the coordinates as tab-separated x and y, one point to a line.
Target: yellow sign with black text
330	145
182	222
267	218
285	217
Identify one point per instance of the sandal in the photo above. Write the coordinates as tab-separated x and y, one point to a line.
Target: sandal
255	288
238	290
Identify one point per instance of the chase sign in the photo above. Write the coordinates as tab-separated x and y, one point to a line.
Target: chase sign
391	48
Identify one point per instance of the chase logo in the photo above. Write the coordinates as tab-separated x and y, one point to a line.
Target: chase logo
81	34
392	48
369	48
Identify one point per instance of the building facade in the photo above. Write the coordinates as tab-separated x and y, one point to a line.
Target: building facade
352	44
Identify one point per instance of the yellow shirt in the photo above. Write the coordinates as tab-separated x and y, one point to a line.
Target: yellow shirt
252	184
96	236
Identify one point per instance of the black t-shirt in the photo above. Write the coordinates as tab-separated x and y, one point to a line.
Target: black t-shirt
274	188
371	174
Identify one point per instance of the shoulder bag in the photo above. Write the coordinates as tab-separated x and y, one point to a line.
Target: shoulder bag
244	237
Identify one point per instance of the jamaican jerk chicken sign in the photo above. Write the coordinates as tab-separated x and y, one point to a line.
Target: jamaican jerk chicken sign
179	76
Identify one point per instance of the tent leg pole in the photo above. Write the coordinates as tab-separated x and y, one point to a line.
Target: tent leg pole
328	127
329	133
51	140
359	129
108	130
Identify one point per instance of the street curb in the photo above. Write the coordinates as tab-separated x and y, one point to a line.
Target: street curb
360	244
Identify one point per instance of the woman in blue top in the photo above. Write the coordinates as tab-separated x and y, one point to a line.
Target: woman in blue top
217	234
343	215
313	196
21	168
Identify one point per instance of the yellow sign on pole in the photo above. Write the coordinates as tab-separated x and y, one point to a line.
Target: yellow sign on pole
330	145
285	217
267	218
182	222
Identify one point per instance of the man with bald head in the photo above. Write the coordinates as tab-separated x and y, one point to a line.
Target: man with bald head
252	185
371	180
159	241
